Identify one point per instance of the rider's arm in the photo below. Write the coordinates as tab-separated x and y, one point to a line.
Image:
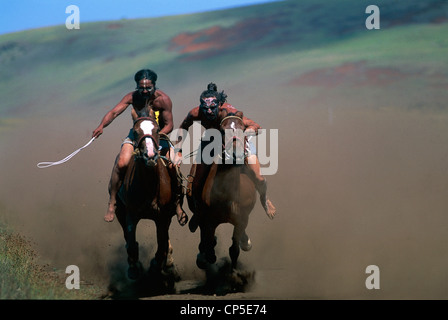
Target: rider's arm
184	126
167	114
112	114
251	126
182	133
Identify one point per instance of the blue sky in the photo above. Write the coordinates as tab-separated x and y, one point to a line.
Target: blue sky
18	15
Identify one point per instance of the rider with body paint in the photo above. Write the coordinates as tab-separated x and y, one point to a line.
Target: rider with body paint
212	104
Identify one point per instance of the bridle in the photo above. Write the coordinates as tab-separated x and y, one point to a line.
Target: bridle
149	162
140	139
232	117
226	154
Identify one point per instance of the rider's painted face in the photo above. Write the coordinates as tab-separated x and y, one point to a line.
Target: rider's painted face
209	107
146	87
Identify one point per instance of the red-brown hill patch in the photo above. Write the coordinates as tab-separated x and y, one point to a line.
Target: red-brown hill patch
351	73
215	40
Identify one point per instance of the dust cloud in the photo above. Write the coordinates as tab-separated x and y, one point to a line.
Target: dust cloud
356	186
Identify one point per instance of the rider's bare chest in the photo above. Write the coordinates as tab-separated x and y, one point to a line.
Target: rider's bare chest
142	109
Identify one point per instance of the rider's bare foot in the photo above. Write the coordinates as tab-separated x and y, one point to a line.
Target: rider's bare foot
269	208
110	215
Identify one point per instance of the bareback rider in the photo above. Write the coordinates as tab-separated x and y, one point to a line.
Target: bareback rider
212	104
145	98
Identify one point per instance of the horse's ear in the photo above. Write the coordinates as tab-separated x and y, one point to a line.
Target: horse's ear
239	114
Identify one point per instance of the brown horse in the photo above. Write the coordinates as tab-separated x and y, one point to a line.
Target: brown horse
146	193
228	195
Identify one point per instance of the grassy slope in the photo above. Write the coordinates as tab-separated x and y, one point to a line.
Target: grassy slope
64	68
22	277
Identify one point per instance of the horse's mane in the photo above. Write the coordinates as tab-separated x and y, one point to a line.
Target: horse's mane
226	114
236	114
145	118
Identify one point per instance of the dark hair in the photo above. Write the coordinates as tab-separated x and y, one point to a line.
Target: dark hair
212	91
146	74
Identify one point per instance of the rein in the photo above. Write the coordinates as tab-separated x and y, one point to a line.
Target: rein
47	164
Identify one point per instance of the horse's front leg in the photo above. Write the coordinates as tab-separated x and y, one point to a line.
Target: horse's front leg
130	229
206	246
163	244
239	239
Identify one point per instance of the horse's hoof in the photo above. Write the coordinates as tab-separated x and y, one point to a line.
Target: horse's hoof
171	272
201	261
134	271
246	245
155	266
133	274
169	261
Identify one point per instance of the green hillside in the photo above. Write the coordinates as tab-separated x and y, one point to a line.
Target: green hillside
53	69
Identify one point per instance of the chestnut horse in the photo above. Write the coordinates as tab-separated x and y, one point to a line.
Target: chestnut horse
146	193
228	195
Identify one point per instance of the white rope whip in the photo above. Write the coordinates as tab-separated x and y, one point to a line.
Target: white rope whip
47	164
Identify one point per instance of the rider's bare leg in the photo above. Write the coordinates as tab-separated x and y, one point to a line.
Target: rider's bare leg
176	186
261	185
116	179
200	176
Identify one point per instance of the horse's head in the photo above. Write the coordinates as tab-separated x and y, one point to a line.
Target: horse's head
232	129
146	134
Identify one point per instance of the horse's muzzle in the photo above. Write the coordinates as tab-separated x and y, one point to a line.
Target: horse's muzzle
234	150
150	161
